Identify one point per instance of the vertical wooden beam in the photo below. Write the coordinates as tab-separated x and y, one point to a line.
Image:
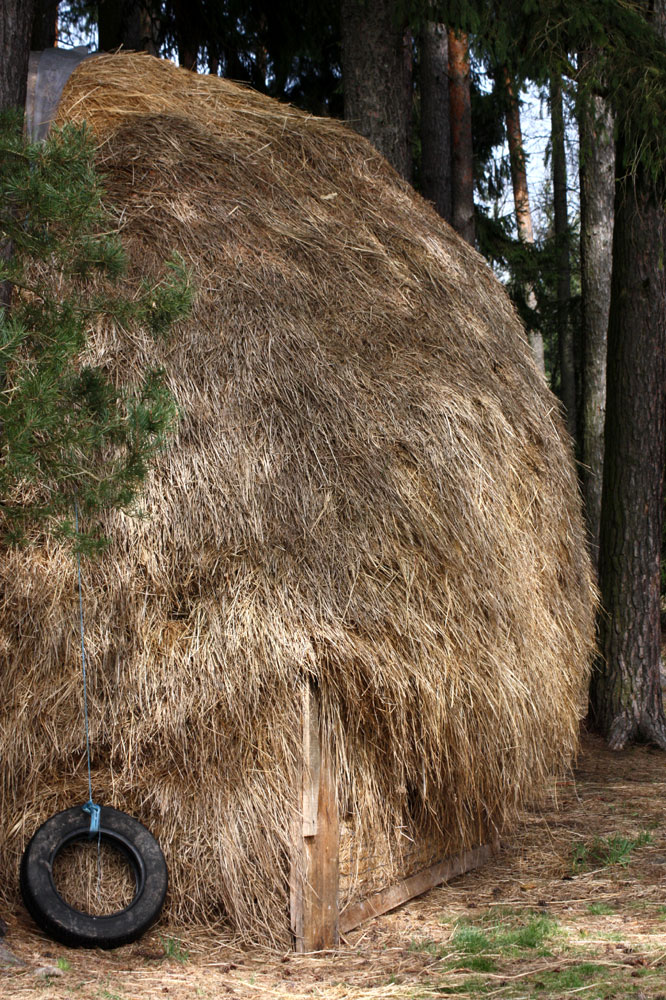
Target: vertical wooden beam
315	838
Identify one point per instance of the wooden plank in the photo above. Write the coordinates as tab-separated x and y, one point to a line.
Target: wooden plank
415	885
296	883
311	761
313	880
320	930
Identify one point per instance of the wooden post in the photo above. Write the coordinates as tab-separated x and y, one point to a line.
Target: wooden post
314	866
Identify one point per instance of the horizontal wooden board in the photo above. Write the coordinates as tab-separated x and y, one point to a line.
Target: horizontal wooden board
395	895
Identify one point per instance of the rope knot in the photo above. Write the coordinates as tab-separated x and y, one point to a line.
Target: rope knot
94	813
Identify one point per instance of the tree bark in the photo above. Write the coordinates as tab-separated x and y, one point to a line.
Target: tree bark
462	164
626	698
597	196
44	25
435	122
187	17
521	195
15	29
561	221
376	76
127	24
188	57
521	200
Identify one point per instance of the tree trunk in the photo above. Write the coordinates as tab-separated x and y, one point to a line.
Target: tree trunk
15	30
462	164
187	15
561	221
44	25
521	195
435	122
521	200
376	76
626	696
213	63
129	24
188	57
110	25
597	196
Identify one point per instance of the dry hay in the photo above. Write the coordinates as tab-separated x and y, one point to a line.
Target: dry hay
410	952
94	877
371	486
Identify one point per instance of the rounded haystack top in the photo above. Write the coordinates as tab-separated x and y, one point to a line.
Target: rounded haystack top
371	487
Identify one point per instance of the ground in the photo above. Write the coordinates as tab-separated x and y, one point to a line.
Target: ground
573	906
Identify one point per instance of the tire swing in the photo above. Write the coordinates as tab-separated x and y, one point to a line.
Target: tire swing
130	839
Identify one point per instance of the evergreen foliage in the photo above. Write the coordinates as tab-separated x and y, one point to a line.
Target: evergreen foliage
67	430
289	49
630	65
293	53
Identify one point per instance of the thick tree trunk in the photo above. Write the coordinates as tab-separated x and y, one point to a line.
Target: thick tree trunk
15	30
435	123
625	697
462	163
561	221
626	700
44	25
521	200
597	196
376	77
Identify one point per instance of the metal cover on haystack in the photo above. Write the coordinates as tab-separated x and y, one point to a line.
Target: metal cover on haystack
48	72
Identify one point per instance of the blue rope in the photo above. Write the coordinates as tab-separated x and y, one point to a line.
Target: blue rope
90	807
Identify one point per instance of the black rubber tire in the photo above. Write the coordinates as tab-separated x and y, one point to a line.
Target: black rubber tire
73	927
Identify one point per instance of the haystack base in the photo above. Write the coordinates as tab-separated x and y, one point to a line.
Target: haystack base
415	885
316	921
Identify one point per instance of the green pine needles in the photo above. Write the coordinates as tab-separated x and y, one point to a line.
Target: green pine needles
67	430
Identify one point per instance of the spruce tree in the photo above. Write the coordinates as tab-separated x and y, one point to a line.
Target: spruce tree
68	432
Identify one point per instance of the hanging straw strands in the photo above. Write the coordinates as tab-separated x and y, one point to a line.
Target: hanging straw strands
371	486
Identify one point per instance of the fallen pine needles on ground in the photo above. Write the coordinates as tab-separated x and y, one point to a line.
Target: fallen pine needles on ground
528	926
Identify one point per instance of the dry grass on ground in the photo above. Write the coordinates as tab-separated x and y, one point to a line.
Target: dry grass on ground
573	907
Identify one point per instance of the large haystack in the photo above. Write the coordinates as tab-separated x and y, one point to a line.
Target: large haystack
371	487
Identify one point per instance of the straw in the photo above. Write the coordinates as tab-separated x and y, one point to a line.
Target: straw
371	486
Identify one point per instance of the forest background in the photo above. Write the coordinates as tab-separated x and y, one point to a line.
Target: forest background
437	87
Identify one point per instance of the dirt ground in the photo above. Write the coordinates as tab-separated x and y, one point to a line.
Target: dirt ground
574	905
